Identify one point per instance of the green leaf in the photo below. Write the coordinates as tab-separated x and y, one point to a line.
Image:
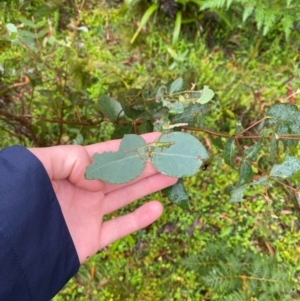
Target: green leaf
190	115
288	168
229	151
78	140
27	22
126	105
237	194
238	127
283	112
245	173
247	12
253	151
285	129
122	166
273	148
194	96
174	107
207	95
28	38
182	159
177	195
287	114
145	127
161	119
121	130
160	93
178	22
261	181
144	20
110	108
42	33
176	85
11	28
228	189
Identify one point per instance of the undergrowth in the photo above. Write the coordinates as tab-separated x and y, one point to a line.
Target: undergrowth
59	105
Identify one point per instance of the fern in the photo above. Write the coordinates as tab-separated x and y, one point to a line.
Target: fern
241	275
267	15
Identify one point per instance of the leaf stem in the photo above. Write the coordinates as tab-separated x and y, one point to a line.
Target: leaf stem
206	131
251	126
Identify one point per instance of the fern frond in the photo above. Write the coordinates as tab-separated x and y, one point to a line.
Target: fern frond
241	275
287	24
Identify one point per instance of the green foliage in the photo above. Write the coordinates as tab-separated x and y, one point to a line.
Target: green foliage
282	15
43	63
178	195
169	107
239	275
69	74
182	159
266	16
110	167
174	154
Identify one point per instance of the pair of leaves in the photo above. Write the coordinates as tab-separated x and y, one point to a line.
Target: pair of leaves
285	170
174	154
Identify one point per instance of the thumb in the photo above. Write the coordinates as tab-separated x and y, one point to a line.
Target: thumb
67	162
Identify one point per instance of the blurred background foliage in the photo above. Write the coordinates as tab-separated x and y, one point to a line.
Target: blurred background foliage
58	57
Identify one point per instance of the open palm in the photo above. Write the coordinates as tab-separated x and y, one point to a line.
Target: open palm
85	202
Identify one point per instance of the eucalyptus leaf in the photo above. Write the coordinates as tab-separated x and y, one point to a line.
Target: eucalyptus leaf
237	193
181	159
145	127
228	189
127	108
122	166
207	95
177	195
194	96
161	91
263	180
190	115
229	151
284	112
174	107
121	130
286	117
245	173
253	151
11	28
110	108
176	85
238	127
288	168
285	129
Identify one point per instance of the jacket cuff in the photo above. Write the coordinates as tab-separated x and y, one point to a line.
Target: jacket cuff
37	254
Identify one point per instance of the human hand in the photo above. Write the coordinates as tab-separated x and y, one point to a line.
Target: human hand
85	202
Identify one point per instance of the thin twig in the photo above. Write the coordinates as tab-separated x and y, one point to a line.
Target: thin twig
206	131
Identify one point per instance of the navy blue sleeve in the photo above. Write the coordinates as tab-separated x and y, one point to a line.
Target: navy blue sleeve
37	254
